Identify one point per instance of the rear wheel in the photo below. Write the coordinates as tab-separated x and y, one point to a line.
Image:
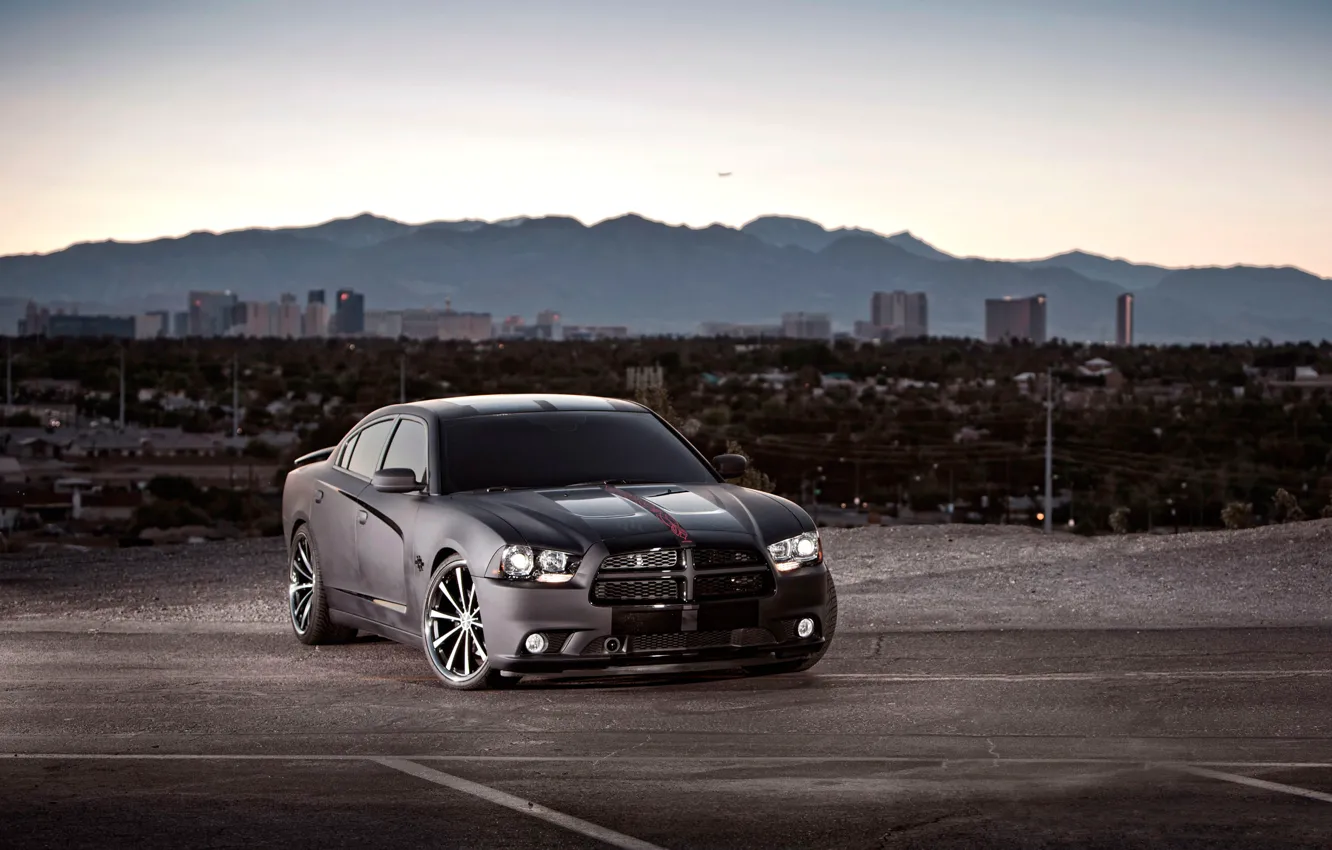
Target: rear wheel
802	664
453	634
306	602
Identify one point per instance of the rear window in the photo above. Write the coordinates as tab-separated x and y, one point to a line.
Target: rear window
551	449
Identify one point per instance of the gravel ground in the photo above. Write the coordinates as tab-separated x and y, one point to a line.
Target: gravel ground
889	579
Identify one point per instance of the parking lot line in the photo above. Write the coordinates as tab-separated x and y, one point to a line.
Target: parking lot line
517	804
648	759
1074	677
1251	782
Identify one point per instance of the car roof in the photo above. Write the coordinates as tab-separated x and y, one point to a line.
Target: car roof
458	407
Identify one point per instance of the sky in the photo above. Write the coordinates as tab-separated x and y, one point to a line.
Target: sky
1180	132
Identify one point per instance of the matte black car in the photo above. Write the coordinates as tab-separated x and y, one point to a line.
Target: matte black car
529	534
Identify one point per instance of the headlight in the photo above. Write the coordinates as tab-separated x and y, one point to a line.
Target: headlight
547	565
792	552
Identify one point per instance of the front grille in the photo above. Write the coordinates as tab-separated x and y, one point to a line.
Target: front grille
675	641
711	559
731	586
678	640
660	559
638	590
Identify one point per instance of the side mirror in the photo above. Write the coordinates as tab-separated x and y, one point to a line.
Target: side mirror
730	466
395	480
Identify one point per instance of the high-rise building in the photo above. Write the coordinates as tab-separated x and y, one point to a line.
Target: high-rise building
152	324
905	314
289	317
260	319
1010	319
548	325
469	326
349	315
807	326
34	321
316	320
212	313
867	330
420	324
512	326
316	296
180	324
1124	319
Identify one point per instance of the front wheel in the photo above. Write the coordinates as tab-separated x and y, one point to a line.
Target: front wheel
452	633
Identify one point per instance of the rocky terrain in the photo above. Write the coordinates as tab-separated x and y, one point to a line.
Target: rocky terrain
889	579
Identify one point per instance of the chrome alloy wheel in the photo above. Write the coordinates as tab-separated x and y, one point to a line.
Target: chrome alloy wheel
300	584
457	637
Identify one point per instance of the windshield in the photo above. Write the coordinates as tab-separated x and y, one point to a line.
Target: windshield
559	448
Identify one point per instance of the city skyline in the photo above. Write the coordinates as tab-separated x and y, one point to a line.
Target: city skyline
1015	132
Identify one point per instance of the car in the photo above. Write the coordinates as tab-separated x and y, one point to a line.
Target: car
516	535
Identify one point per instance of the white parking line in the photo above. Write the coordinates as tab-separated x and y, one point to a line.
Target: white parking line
1073	677
1251	782
518	804
685	760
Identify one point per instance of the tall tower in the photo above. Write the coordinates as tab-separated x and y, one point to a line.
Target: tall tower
1008	319
1124	319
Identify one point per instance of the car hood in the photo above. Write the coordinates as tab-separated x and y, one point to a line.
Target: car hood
641	516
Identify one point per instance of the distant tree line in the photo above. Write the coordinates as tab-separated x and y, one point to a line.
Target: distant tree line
1194	437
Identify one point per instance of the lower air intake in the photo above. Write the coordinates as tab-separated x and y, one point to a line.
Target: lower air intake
677	641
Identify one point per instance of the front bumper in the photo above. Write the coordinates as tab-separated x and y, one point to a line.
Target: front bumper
703	635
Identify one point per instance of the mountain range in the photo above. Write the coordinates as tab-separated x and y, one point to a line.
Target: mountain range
659	278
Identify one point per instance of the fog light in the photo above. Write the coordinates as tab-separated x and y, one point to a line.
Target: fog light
535	644
804	628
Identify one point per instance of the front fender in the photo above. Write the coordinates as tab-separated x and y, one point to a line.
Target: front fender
443	526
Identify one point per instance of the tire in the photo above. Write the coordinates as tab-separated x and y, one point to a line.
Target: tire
307	605
802	664
453	633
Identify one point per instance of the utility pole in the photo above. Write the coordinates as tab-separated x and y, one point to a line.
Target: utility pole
235	395
1049	451
402	379
122	388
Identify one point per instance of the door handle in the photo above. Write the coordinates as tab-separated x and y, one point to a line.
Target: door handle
362	516
319	496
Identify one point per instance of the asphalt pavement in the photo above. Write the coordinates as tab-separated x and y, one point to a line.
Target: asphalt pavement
131	716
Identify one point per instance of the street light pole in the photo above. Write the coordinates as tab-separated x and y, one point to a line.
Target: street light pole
1049	451
122	388
235	394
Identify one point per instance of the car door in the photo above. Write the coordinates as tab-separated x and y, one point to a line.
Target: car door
341	507
333	518
385	523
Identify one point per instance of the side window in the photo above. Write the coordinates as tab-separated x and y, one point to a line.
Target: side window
365	454
408	448
345	454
